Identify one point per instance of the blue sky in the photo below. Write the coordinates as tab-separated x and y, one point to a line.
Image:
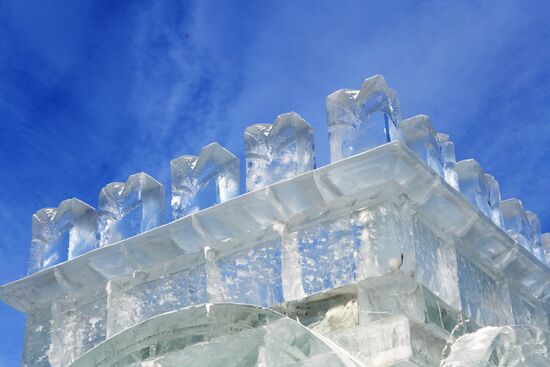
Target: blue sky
91	92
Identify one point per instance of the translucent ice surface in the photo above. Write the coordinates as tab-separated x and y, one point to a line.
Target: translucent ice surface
471	180
200	182
126	209
278	151
447	152
509	346
419	136
61	233
516	222
536	236
359	120
494	200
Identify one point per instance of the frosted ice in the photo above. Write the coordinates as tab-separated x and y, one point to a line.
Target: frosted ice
61	233
359	120
472	184
494	200
419	136
516	222
536	236
278	151
509	346
127	209
200	182
447	152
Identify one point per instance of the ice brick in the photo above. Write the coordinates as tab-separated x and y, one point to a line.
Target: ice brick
472	184
359	120
253	276
516	222
76	330
127	209
494	200
200	182
527	311
329	254
278	151
485	301
136	298
396	293
59	234
536	236
391	341
418	135
447	151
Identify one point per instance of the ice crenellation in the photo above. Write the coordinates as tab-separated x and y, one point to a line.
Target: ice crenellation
358	120
393	254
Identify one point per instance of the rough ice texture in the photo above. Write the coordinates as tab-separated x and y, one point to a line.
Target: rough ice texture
472	184
418	135
494	200
228	335
360	120
508	346
447	152
536	236
517	223
127	209
278	151
200	182
62	233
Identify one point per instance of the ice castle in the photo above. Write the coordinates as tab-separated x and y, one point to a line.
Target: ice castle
394	254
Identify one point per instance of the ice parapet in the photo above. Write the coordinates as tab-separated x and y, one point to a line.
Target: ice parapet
127	209
59	234
516	222
278	151
447	152
509	346
472	184
359	120
419	136
200	182
494	200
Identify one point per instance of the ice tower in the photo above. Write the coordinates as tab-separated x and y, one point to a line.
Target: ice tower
392	255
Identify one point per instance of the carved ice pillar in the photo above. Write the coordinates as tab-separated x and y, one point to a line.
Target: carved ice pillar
494	200
359	120
200	182
278	151
536	237
127	209
473	186
59	234
516	222
447	151
419	136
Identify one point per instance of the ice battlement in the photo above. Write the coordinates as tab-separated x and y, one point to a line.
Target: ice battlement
393	234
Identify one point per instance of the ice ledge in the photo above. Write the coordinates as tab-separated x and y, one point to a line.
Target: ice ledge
378	174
